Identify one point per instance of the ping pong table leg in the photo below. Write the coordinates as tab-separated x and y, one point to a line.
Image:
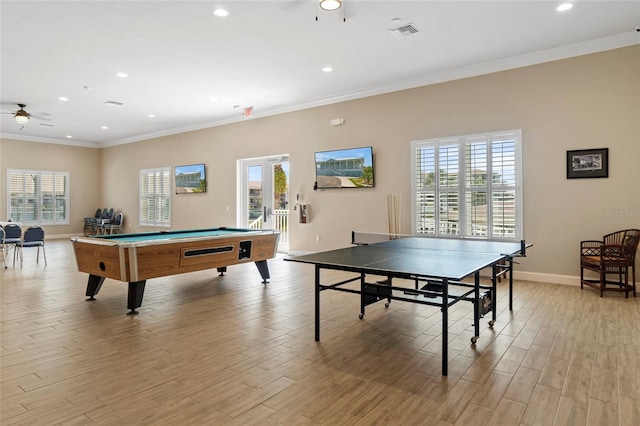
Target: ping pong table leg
510	283
445	328
476	307
494	293
362	295
317	303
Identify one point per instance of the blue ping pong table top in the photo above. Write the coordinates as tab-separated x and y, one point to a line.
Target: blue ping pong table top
426	257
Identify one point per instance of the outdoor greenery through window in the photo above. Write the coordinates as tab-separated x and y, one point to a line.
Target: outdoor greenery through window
468	186
155	197
38	197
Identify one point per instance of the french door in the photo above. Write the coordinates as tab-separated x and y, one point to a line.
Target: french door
263	201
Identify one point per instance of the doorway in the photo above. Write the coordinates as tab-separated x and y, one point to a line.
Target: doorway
263	195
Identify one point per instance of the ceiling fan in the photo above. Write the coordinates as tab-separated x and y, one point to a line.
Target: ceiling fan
22	117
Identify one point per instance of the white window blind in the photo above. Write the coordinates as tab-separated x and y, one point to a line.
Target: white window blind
155	197
38	197
468	186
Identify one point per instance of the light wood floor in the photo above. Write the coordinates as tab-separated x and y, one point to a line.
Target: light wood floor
206	350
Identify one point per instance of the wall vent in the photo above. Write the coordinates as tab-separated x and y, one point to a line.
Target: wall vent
404	30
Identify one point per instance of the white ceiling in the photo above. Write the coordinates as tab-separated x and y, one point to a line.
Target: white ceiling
265	54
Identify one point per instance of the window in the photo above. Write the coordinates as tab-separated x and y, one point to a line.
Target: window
155	197
468	186
37	197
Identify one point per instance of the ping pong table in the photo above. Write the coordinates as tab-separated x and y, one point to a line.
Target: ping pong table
436	266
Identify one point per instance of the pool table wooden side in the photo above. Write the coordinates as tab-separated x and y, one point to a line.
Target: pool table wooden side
167	258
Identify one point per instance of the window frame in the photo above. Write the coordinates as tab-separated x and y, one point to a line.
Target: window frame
463	189
39	197
158	195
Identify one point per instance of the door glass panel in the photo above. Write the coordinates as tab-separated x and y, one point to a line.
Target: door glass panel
280	215
254	193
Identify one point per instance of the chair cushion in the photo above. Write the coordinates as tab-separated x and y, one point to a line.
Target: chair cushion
597	261
32	243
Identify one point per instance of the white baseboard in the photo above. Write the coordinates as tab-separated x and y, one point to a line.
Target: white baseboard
299	252
546	278
62	236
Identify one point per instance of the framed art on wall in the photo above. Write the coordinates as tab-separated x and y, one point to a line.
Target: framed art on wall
588	163
191	179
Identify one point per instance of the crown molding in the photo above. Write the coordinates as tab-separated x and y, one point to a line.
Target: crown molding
19	137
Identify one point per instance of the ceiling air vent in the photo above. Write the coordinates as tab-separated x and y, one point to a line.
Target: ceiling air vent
114	103
404	30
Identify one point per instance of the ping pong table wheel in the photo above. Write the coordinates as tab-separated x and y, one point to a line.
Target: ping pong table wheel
386	305
474	339
360	315
491	323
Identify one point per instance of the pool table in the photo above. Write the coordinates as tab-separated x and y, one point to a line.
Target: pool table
134	258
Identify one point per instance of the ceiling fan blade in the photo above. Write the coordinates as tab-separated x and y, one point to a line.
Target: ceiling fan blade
40	115
45	116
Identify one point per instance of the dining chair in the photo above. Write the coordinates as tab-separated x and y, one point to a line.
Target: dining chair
105	222
96	222
12	233
12	236
33	237
116	225
2	247
88	221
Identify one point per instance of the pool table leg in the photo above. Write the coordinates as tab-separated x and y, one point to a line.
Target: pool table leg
134	299
93	286
264	270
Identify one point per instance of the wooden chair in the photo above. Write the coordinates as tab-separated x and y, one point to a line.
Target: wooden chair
614	255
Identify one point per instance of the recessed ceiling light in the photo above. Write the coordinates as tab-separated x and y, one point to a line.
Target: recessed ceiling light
564	7
327	69
122	75
69	137
104	127
213	99
220	12
151	115
63	99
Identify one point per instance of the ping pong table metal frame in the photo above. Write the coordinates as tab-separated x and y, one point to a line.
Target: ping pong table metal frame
429	294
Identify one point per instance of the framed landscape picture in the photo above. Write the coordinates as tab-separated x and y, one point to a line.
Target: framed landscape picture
588	163
190	179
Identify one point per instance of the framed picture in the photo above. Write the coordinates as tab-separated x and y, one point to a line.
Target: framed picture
588	163
190	179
